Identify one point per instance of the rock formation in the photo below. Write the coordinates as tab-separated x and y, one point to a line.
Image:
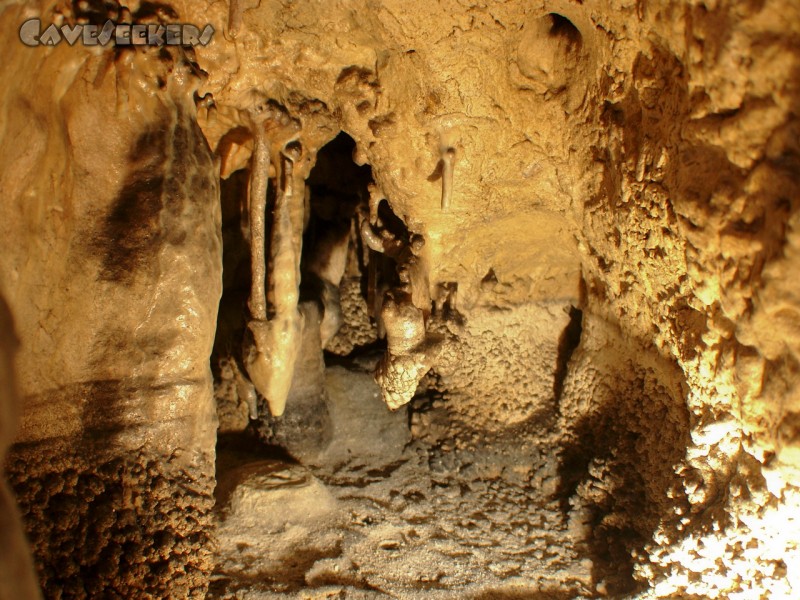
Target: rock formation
557	238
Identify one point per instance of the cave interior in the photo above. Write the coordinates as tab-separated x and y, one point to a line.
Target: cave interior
485	300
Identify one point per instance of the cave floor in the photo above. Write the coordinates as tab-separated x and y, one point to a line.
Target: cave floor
395	508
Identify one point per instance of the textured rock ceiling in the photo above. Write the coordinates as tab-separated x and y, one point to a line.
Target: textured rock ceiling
558	238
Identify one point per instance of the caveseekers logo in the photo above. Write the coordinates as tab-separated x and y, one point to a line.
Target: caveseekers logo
121	34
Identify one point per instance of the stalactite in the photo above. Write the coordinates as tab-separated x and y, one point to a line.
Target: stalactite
259	177
234	18
276	325
403	311
448	158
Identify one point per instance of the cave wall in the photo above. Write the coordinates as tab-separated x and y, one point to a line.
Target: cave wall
685	242
17	576
636	161
113	280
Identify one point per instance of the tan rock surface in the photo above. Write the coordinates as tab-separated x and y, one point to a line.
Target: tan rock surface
17	576
114	279
611	276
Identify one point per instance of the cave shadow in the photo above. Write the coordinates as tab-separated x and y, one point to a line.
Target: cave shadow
232	313
237	449
616	469
522	594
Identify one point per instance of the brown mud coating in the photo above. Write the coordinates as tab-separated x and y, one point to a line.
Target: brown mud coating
406	299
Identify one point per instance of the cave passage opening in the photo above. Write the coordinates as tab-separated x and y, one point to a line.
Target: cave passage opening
338	194
341	285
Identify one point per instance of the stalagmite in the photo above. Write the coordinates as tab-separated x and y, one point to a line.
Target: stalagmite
275	330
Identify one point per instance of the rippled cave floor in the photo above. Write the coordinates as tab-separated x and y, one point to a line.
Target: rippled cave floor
384	514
